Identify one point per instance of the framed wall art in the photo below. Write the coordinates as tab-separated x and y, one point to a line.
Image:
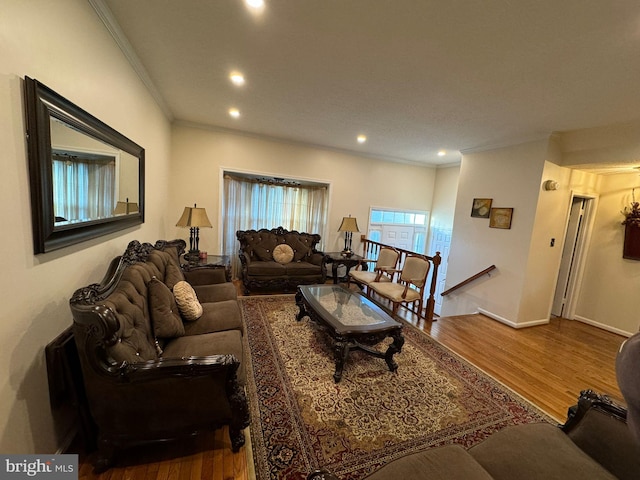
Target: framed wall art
500	217
481	207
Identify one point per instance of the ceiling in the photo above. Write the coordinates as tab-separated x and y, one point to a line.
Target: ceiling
414	76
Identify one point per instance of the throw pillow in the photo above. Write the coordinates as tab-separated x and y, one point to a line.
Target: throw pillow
165	315
283	254
187	301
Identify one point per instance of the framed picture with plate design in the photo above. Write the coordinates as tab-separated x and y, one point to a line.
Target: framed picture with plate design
500	218
481	207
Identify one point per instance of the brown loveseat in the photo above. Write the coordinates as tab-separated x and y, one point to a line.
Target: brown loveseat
148	374
279	260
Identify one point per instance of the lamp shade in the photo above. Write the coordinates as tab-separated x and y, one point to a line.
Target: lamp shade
125	208
194	217
349	224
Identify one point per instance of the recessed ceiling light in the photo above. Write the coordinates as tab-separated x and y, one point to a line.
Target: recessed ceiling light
442	153
234	112
254	4
362	138
236	78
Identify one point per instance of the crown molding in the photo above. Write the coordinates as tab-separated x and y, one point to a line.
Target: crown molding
109	21
300	143
513	143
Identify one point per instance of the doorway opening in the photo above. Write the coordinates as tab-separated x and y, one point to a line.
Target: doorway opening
574	251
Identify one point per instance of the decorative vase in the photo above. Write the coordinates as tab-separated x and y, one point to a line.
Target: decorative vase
631	248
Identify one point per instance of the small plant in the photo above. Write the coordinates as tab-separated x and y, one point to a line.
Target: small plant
632	213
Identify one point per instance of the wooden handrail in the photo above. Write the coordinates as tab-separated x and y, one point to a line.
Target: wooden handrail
371	249
469	280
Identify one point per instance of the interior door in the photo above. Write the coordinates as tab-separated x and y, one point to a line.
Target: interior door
569	256
400	236
440	242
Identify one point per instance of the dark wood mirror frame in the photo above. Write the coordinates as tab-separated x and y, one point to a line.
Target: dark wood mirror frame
43	104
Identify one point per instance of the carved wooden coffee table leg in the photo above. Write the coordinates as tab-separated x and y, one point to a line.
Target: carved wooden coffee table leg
395	347
341	351
303	310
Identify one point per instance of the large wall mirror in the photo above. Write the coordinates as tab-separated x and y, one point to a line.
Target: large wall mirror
87	180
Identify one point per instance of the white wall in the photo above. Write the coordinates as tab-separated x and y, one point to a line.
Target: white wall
543	258
511	177
610	285
356	183
65	46
444	197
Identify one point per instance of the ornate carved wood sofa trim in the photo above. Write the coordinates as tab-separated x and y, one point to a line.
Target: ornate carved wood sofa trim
133	398
259	270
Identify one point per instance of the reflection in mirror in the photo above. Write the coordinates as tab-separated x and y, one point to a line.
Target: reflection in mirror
86	179
91	179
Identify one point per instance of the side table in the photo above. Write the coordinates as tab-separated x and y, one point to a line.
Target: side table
210	261
337	258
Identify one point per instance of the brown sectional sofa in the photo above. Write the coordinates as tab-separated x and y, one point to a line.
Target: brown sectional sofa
261	272
141	385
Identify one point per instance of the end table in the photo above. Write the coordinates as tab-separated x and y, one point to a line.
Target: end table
337	258
210	261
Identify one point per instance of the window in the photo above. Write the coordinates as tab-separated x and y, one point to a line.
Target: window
253	202
399	228
83	186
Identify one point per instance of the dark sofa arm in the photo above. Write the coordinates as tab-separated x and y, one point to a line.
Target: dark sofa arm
147	390
204	275
598	426
190	367
216	293
318	258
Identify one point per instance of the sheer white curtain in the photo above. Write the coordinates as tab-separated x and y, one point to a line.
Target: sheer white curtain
83	190
253	204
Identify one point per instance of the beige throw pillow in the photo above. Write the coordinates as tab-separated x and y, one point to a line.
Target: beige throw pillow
283	253
187	301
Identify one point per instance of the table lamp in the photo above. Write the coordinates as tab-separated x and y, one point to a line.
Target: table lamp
194	218
348	225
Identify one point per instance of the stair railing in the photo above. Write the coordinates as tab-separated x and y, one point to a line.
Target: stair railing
468	280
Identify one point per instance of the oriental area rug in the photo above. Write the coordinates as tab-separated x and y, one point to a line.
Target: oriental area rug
301	420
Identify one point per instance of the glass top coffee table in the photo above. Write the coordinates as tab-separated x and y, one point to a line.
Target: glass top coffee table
351	320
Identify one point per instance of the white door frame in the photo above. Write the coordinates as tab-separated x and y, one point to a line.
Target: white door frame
582	249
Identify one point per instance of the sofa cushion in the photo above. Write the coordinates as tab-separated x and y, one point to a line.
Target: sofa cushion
444	463
263	245
283	253
263	269
187	300
300	243
536	451
165	316
216	317
219	343
302	268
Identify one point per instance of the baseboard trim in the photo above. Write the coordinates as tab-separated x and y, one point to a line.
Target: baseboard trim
500	319
608	328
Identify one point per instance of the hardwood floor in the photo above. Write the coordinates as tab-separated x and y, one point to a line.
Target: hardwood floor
548	365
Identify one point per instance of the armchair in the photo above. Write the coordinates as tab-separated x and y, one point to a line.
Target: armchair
383	270
410	285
